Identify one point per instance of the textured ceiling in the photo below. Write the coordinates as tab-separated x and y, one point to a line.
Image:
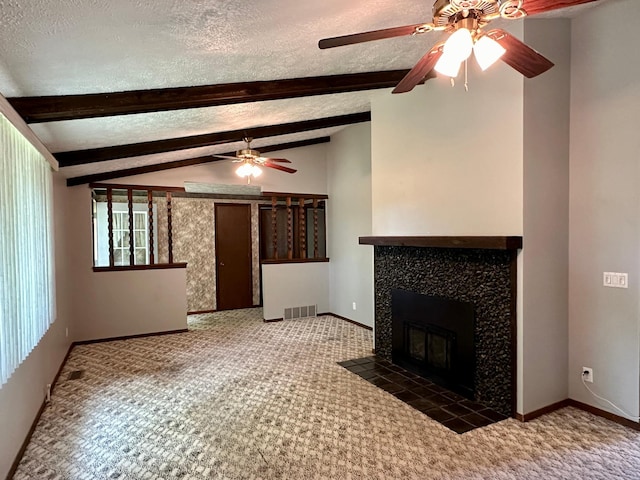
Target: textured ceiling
58	47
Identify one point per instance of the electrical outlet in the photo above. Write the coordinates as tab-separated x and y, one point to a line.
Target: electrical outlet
587	374
354	305
66	332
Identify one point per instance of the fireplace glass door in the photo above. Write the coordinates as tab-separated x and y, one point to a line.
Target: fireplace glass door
431	347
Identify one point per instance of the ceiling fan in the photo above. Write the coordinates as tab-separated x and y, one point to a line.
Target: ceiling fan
464	20
251	161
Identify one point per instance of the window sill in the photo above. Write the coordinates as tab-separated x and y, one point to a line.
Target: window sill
155	266
294	260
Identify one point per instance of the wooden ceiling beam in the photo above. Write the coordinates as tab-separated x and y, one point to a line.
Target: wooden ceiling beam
73	107
158	167
81	157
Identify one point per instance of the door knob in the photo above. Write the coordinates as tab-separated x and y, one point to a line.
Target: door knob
222	264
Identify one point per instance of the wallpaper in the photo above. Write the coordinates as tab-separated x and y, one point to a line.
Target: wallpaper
163	230
193	228
193	242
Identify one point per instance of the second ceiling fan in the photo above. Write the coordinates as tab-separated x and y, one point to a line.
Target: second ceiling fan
251	161
464	20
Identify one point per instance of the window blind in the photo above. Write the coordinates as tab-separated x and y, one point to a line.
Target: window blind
27	284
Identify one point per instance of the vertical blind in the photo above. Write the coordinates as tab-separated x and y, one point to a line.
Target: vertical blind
27	296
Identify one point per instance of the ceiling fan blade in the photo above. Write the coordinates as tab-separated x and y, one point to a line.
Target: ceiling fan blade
280	160
519	56
420	70
533	7
369	36
224	157
280	167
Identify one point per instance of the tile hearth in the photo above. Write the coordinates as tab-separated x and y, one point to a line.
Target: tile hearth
450	409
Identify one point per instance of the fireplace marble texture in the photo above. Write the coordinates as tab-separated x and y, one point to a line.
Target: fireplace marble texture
484	277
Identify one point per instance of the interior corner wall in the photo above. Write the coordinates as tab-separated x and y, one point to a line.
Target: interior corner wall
348	218
604	233
449	162
545	252
119	303
287	285
23	394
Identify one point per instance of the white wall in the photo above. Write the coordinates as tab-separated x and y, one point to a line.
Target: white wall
349	217
448	162
545	310
294	285
22	395
605	203
115	304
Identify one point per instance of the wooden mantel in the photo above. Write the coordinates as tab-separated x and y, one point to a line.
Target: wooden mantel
491	243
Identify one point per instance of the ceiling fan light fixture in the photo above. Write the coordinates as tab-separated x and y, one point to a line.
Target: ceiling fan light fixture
244	170
448	65
256	171
248	169
459	45
487	51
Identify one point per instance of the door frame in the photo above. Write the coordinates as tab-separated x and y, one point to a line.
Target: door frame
215	246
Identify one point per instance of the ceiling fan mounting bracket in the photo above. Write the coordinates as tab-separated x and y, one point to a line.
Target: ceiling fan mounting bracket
446	12
470	23
248	153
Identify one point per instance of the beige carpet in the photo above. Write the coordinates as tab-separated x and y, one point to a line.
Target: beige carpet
237	398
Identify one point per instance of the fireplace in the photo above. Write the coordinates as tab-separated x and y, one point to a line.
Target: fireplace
434	337
475	271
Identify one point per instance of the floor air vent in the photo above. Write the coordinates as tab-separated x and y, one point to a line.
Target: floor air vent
300	312
76	375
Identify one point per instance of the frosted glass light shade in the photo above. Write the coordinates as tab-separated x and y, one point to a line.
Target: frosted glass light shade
459	45
247	169
487	51
448	65
244	170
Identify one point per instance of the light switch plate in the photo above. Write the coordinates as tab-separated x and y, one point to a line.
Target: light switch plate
615	280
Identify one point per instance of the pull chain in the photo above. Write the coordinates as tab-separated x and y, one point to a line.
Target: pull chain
466	76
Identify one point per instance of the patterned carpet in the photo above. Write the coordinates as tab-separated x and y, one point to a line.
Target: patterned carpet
236	398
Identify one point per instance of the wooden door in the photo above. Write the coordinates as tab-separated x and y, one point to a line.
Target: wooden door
234	284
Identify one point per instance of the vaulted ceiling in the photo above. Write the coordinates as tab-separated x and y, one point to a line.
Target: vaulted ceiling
79	47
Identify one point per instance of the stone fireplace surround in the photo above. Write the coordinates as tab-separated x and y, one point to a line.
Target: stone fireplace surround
479	270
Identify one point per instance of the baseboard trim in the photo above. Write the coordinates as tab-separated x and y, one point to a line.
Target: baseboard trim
527	417
604	414
129	337
34	424
200	312
570	402
272	320
367	327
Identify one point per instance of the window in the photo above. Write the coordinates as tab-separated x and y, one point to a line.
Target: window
122	242
132	227
27	288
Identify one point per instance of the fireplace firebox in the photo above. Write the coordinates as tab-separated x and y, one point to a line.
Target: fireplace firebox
434	337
